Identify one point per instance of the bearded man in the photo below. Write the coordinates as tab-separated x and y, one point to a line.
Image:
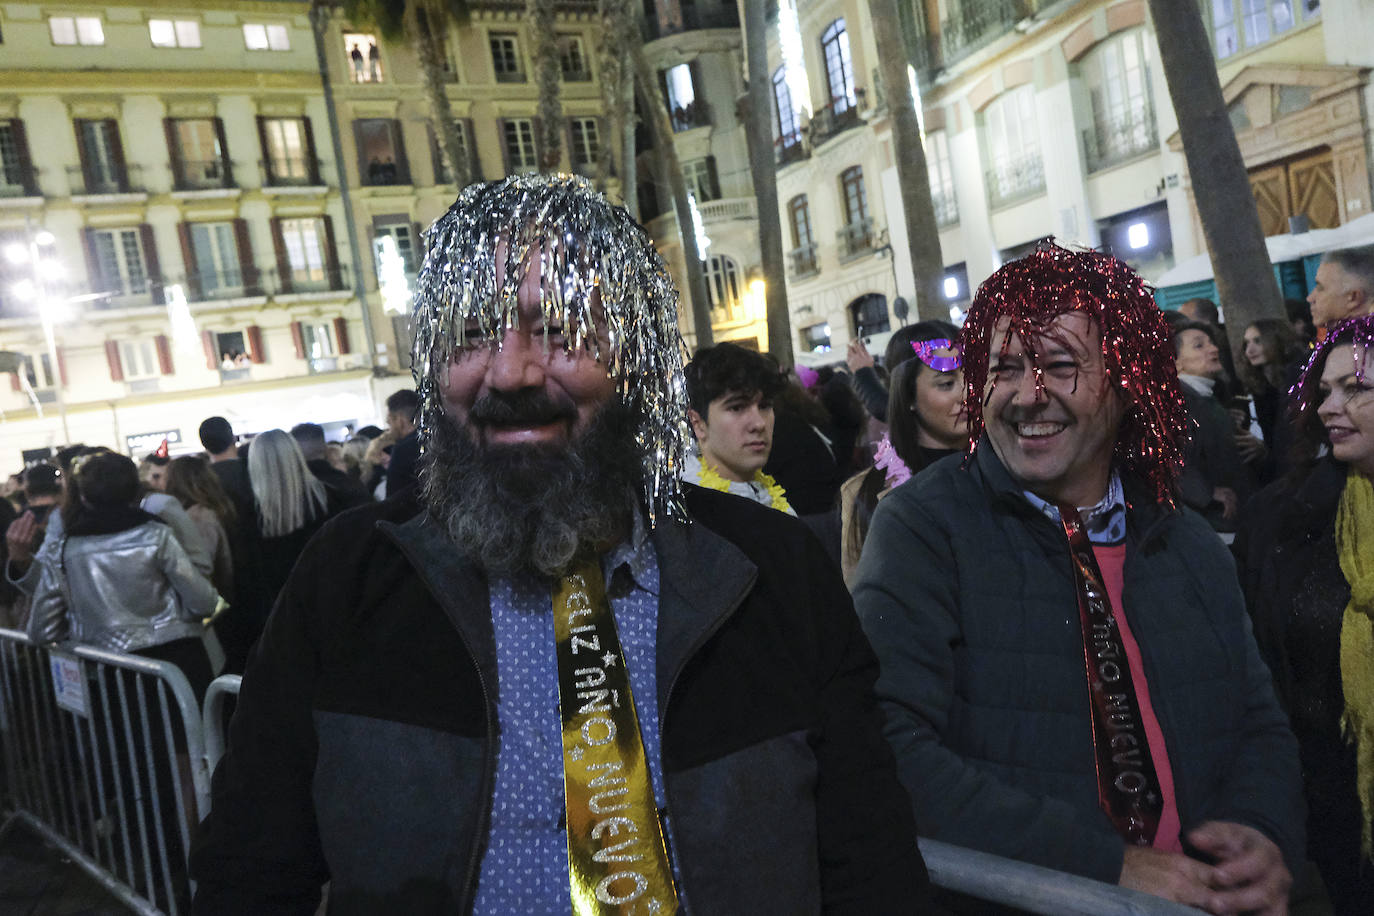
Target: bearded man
557	683
1068	670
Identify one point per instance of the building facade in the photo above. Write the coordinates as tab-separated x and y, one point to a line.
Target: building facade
182	236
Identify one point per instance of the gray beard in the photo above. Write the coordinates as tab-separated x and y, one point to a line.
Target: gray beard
534	509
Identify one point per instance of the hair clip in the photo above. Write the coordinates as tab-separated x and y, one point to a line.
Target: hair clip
925	352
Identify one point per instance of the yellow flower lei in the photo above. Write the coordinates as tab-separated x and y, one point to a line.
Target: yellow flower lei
711	479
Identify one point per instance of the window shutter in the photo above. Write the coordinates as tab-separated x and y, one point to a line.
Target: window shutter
79	124
169	127
207	341
252	277
256	354
341	335
714	177
21	144
298	338
436	155
331	254
112	357
505	145
470	143
226	164
402	162
267	171
96	279
312	163
363	176
188	255
111	126
284	277
15	384
151	264
164	355
62	366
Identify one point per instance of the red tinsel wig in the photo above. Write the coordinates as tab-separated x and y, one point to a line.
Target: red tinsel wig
1137	349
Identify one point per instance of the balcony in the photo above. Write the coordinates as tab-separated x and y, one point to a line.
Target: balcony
695	114
714	211
291	173
386	173
581	74
791	147
803	261
207	286
1112	142
202	175
855	239
1016	179
328	278
723	16
106	180
977	23
836	118
946	207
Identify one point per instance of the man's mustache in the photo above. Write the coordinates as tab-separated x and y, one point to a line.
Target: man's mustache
520	408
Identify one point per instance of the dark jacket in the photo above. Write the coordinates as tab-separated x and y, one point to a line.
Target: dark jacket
1211	459
968	596
403	470
347	492
363	746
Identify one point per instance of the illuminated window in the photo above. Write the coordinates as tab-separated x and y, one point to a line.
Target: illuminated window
76	30
839	68
258	36
174	33
364	59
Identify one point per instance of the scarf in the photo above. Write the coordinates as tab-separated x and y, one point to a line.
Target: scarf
1355	548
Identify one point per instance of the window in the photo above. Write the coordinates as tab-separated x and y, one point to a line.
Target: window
138	358
723	283
215	257
197	154
1238	24
855	197
119	261
319	341
839	68
364	60
941	177
505	59
303	241
700	175
572	59
520	151
789	129
799	219
869	315
1012	140
76	30
400	233
816	338
380	153
586	143
686	108
258	36
287	151
1117	74
102	156
465	152
16	169
39	371
174	33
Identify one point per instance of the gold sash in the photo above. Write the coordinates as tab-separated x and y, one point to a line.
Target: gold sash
617	860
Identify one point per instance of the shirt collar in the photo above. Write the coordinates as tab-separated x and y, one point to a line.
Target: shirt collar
636	556
1105	522
1203	386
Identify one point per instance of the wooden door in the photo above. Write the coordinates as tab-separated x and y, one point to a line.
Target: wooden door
1312	190
1271	198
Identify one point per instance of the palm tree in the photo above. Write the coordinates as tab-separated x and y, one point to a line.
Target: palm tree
617	99
1225	201
547	73
922	232
423	24
763	171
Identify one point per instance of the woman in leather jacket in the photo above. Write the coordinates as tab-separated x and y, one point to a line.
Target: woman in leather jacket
118	579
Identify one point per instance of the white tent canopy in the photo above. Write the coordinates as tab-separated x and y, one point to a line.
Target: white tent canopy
1281	248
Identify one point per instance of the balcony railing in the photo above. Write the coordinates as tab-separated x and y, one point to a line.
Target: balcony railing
791	147
836	118
1109	143
728	208
128	180
386	173
581	74
725	16
291	173
976	23
211	286
329	278
696	114
946	208
855	239
254	283
202	175
1015	179
510	76
803	260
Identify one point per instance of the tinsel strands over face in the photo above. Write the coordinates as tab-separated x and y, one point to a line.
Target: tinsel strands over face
584	245
1358	332
1137	349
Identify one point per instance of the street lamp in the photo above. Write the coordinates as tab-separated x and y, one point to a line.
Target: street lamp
35	289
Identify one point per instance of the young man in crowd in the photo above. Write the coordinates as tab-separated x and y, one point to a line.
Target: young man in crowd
348	492
557	683
1068	670
730	393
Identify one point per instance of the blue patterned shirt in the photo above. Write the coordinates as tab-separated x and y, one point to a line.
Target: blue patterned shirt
525	869
1105	522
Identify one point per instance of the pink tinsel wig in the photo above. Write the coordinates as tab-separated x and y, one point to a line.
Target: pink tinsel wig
1136	348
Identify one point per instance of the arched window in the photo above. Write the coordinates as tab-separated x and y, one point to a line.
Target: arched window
789	131
868	314
723	283
839	68
803	243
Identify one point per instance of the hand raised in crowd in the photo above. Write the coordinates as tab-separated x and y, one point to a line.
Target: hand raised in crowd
1230	502
19	538
376	454
1249	875
857	356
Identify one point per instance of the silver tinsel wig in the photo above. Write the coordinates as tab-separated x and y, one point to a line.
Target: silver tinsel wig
584	244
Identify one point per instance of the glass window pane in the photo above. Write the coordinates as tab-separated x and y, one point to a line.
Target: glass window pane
63	30
277	38
162	33
89	31
188	33
255	36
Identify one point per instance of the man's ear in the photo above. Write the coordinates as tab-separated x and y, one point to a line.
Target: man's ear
699	427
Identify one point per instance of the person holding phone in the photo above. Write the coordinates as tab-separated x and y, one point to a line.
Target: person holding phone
24	535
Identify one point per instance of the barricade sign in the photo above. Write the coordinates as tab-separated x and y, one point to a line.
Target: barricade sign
69	684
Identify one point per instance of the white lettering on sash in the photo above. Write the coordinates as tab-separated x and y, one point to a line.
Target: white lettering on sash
613	825
594	644
598	803
606	895
595	701
595	677
588	731
616	852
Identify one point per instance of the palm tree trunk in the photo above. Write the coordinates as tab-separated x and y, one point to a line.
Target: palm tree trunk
615	18
656	110
1225	201
922	233
547	67
426	33
763	170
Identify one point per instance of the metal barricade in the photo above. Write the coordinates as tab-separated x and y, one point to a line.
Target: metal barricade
1034	889
220	689
100	754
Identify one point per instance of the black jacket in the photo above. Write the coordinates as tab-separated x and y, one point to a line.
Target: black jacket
363	746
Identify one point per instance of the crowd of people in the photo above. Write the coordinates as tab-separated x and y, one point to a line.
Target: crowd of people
1072	584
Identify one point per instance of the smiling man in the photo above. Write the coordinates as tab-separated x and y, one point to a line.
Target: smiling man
1067	667
557	683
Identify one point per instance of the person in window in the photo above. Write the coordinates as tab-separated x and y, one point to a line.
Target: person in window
374	62
359	65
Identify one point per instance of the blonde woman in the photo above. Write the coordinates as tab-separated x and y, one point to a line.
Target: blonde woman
292	504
